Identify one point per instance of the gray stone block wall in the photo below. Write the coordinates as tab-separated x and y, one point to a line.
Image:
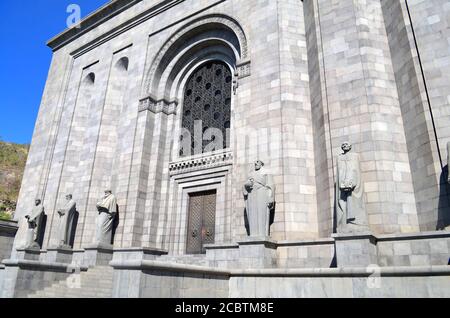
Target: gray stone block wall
165	283
364	108
428	181
306	256
414	251
430	20
338	287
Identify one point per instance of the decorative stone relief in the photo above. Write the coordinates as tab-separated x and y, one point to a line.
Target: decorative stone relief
196	164
244	69
158	106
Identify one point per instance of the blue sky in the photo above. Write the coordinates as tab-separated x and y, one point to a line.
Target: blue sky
25	27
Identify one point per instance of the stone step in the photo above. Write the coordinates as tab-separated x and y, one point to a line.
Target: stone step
95	283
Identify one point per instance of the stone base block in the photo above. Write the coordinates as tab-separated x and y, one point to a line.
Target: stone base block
257	253
29	254
137	253
355	250
97	255
61	254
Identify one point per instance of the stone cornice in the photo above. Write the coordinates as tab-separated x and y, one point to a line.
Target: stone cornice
101	15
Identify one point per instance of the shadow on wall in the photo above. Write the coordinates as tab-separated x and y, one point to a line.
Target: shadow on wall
73	230
42	229
115	224
444	201
334	211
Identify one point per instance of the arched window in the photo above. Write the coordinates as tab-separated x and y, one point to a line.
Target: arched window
207	109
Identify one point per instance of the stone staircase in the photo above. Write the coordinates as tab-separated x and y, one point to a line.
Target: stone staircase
97	282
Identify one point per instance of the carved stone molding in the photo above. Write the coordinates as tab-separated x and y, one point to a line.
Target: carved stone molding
201	163
158	106
243	69
219	19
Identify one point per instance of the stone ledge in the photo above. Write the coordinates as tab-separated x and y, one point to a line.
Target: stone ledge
157	265
266	241
41	265
60	249
13	225
144	250
441	270
31	250
221	246
2	266
99	247
353	236
320	241
413	236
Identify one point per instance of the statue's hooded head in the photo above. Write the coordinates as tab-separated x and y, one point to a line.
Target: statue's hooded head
68	197
258	165
346	146
108	192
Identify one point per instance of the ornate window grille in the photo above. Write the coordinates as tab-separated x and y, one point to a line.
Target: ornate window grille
207	104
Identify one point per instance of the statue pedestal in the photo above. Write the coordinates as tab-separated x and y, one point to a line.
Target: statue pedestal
97	255
137	253
60	254
29	254
355	249
257	252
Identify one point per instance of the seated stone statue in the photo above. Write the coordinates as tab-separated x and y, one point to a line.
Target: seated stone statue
34	221
66	221
350	211
107	210
259	195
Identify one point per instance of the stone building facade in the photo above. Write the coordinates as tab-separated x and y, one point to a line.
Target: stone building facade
288	81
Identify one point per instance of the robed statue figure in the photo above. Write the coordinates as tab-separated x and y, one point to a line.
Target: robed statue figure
107	210
66	221
259	195
35	222
350	212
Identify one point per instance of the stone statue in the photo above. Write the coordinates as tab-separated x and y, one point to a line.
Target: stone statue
34	221
66	221
107	210
350	212
259	195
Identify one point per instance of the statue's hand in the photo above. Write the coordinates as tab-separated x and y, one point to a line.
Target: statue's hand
270	205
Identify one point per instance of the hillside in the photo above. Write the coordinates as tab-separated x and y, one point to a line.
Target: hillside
12	164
